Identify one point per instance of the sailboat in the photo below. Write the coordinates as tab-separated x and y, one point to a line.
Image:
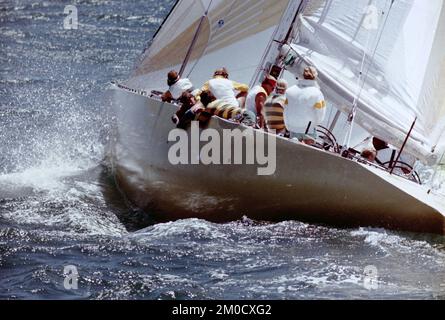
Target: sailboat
381	66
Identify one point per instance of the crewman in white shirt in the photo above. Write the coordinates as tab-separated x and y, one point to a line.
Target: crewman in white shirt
231	92
306	106
257	98
177	86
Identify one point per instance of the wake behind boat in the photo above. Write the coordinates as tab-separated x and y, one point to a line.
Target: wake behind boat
326	182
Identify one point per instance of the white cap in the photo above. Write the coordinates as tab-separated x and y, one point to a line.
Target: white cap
282	84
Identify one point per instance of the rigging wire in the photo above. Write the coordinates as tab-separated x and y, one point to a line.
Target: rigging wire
331	115
288	38
353	113
354	103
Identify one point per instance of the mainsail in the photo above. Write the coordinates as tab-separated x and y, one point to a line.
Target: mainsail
388	58
234	34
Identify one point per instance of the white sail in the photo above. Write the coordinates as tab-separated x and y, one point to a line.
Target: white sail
389	57
234	34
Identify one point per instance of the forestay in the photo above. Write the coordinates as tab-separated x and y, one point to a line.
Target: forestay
387	56
234	34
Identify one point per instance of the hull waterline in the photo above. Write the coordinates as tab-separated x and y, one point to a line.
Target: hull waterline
309	185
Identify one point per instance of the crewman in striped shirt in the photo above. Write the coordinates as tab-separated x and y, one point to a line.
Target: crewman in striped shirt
274	108
225	110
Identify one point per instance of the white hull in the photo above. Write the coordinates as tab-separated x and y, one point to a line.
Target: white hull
309	184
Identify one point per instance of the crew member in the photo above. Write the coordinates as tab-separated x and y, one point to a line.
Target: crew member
257	97
307	106
226	90
177	86
274	108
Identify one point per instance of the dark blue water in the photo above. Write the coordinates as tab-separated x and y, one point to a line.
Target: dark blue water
59	206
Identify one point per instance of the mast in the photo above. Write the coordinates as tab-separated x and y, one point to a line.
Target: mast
283	31
302	4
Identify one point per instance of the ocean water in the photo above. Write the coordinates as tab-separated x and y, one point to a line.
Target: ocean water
59	207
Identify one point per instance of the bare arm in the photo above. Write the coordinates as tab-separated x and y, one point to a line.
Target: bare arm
167	97
260	100
240	86
205	87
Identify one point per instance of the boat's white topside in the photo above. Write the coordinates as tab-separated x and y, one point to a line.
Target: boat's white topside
421	192
310	184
